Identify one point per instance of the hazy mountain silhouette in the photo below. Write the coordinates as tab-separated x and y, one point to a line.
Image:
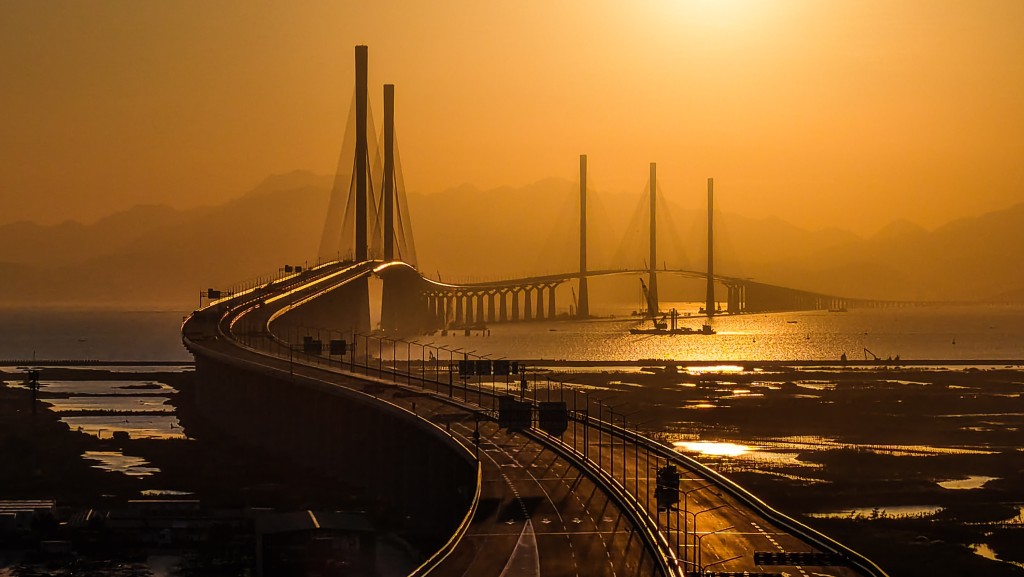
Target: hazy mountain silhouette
156	256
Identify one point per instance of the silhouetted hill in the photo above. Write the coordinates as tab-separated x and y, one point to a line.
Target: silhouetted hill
158	256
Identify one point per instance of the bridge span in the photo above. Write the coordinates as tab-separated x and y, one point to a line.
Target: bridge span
422	432
533	298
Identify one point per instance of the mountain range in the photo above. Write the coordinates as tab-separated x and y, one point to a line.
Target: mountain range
159	257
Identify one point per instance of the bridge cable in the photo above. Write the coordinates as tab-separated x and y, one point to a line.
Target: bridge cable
334	223
406	241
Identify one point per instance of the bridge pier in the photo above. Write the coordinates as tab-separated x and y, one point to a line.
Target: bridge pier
540	303
470	319
490	306
458	309
527	305
551	301
480	308
503	308
735	304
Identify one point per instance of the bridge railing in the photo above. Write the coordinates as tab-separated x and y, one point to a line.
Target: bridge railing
435	368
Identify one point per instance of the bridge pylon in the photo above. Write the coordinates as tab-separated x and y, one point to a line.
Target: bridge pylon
653	306
709	299
583	299
389	172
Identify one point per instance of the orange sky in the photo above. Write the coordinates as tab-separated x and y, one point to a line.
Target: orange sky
846	113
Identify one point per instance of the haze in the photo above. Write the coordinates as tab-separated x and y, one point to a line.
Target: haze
850	114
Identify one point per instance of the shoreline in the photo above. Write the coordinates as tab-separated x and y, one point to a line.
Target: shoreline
751	363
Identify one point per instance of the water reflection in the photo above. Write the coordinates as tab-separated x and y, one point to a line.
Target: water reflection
713	448
115	461
983	550
99	387
138	426
700	370
164	493
909	332
879	512
971	482
113	404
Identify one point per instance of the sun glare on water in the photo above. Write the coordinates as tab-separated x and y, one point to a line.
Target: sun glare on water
717	449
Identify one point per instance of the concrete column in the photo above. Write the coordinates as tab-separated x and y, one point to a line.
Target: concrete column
583	298
540	303
389	172
480	308
469	310
490	307
361	154
527	305
551	301
515	305
653	306
449	306
709	299
458	309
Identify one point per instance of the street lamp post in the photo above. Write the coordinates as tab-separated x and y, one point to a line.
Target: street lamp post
469	378
686	495
695	541
700	541
704	569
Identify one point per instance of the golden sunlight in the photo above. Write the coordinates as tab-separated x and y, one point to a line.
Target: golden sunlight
717	449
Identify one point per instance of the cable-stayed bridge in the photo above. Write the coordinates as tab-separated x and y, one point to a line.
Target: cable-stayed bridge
491	470
368	219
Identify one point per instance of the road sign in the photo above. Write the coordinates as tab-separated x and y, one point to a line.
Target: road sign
312	346
810	559
514	415
553	417
338	347
667	491
502	368
483	367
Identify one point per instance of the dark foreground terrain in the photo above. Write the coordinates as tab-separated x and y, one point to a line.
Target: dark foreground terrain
216	486
858	453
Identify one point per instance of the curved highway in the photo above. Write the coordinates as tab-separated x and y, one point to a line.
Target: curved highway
537	513
580	504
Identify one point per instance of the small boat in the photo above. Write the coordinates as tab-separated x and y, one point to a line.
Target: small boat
660	328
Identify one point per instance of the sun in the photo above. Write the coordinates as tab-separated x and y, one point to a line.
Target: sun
718	13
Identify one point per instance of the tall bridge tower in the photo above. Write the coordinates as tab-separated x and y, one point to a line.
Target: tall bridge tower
652	283
389	172
583	303
709	299
361	161
368	214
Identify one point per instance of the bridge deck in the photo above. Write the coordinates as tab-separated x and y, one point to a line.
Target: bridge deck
540	512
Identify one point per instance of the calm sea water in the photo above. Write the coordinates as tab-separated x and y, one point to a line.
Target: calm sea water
99	335
928	333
